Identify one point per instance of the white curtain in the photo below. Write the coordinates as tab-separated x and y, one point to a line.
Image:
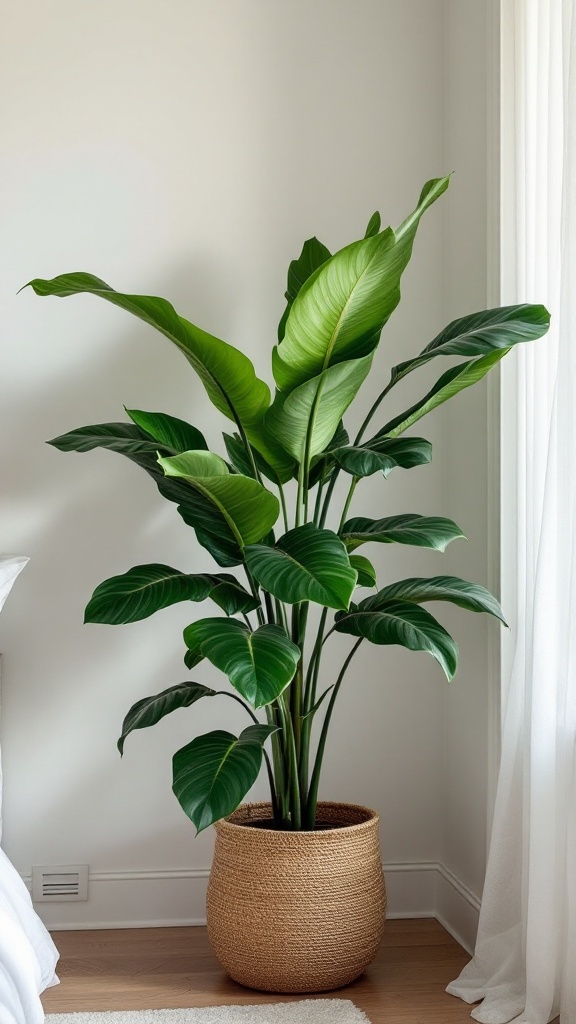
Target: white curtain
524	966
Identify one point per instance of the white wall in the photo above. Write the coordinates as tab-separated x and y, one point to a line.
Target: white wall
187	149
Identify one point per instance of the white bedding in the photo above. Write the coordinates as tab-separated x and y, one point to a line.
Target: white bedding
27	954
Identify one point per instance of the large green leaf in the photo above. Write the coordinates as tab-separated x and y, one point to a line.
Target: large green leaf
340	310
248	508
145	589
467	595
259	664
406	624
305	420
454	380
306	564
313	255
479	334
150	710
169	431
227	374
213	773
383	454
422	531
197	511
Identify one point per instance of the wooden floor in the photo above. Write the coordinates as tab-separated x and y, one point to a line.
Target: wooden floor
155	968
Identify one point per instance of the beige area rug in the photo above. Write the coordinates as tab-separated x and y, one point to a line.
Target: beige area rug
300	1011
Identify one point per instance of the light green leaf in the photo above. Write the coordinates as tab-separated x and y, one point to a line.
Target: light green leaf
422	531
248	508
213	773
259	664
315	408
365	569
470	596
406	624
227	374
150	710
306	564
145	589
340	310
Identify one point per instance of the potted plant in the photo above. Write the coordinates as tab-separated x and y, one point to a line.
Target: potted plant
296	897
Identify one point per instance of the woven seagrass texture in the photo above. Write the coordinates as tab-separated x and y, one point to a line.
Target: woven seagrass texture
297	911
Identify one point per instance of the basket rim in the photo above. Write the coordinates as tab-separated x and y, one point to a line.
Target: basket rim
228	825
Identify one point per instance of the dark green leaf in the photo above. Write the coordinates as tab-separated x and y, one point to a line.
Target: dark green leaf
259	664
322	465
213	773
365	569
479	334
145	589
374	225
406	624
307	564
170	432
383	454
422	531
150	710
467	595
313	255
212	529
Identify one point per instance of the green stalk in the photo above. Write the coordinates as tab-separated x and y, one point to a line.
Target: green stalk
279	773
310	815
283	506
347	502
318	504
328	497
293	783
254	590
376	406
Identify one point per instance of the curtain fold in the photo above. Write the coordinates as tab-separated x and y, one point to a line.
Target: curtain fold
524	965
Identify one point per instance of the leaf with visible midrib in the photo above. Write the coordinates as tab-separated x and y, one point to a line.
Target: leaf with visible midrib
259	664
422	531
213	773
405	624
146	589
306	564
151	710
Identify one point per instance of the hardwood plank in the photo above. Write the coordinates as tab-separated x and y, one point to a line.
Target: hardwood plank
152	968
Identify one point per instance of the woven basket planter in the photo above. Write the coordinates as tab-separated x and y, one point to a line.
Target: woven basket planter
296	911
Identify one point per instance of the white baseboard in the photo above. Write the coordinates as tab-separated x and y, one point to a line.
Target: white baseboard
147	899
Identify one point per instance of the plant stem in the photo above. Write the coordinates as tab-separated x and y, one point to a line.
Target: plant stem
310	815
278	773
328	497
294	787
318	504
254	590
269	607
376	406
347	502
283	506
